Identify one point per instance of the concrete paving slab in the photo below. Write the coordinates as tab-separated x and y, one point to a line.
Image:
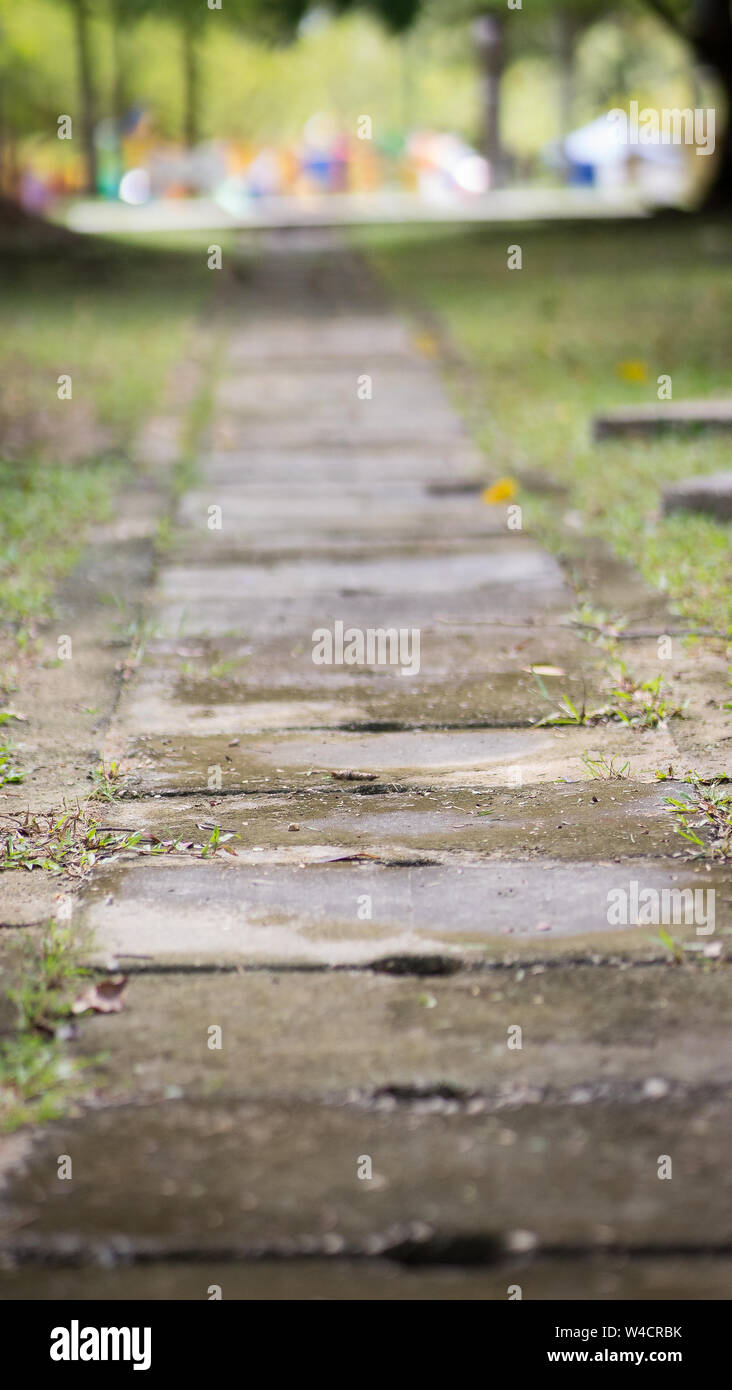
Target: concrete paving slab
664	416
297	513
566	821
311	385
297	599
328	469
711	495
589	1034
333	428
261	1176
178	910
461	574
337	337
411	758
597	1277
165	704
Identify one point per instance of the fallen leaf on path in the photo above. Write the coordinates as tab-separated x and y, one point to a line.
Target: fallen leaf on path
500	491
633	371
427	344
105	997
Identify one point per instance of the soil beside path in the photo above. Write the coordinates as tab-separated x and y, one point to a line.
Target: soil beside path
394	1041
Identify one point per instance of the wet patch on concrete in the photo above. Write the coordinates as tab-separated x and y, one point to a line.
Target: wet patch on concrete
162	702
468	758
570	821
170	910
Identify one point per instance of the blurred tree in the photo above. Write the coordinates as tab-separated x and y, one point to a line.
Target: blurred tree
81	14
398	15
266	19
706	25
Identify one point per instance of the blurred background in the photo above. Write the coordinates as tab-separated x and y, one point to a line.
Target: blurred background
252	110
438	134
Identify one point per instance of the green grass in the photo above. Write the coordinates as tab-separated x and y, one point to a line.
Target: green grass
38	1080
597	313
116	319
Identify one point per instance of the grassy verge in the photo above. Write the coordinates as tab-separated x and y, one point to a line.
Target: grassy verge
592	319
38	1080
115	319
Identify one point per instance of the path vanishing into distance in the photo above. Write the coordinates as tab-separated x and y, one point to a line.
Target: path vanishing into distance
395	1045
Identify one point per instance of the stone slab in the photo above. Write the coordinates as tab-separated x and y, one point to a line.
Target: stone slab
567	821
162	703
589	1034
177	910
711	495
483	758
296	340
239	1178
327	468
663	417
600	1277
296	599
294	516
334	427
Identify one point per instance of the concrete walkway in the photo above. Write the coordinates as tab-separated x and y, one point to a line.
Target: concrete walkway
391	1048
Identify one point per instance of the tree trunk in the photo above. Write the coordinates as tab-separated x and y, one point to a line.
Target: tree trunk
86	92
718	195
567	30
119	84
489	32
711	37
190	87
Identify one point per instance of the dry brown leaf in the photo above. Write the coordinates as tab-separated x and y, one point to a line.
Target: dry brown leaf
104	997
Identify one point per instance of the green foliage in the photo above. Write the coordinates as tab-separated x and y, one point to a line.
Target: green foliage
38	1080
544	347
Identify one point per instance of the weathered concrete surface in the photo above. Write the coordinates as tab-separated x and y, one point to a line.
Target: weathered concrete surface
481	759
596	1277
589	1034
711	494
563	821
208	912
257	1176
373	940
664	416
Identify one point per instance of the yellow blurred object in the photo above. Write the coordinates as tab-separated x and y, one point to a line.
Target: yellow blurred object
501	491
633	371
426	344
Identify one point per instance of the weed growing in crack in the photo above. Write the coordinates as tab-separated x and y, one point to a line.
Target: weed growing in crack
106	781
9	773
72	841
637	704
598	767
704	819
37	1079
